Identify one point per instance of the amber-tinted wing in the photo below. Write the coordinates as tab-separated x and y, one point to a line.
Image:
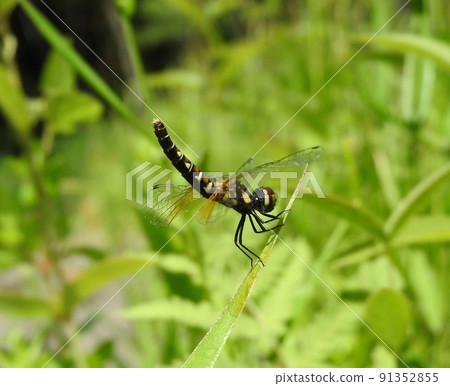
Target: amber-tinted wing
211	210
165	202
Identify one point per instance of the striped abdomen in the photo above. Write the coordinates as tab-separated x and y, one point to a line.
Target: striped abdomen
187	169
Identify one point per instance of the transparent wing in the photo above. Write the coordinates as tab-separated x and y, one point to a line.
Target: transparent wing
292	161
211	210
247	165
165	202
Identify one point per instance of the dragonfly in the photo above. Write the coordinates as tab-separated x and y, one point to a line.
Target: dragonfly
229	191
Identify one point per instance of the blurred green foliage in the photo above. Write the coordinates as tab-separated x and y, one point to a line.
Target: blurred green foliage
225	76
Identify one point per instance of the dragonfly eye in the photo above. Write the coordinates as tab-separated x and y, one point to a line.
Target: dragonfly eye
265	199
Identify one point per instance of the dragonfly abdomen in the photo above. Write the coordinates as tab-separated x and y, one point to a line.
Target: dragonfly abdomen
183	164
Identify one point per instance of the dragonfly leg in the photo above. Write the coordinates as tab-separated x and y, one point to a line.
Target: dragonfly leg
240	245
274	217
261	224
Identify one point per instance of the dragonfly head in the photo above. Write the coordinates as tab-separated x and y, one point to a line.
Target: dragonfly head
264	199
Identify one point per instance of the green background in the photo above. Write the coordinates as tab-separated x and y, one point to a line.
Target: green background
225	76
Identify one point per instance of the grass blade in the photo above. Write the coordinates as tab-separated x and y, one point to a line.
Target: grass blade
433	49
210	347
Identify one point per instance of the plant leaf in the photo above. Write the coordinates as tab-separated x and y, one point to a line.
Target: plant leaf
210	347
420	230
13	102
409	203
347	211
424	230
320	339
6	6
357	255
102	273
199	315
178	264
58	76
437	51
285	286
67	110
25	305
126	8
388	315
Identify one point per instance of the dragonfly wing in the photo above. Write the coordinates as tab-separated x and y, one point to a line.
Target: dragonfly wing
210	211
247	165
292	161
165	202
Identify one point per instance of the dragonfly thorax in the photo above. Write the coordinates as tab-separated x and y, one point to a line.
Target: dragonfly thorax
264	199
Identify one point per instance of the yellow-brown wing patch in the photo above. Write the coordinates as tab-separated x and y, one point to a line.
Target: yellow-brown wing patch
211	210
161	212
